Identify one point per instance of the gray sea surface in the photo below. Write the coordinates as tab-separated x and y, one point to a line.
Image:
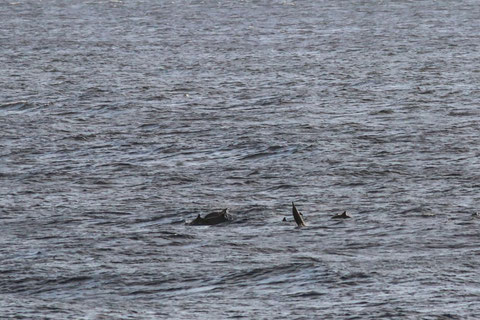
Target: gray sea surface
120	121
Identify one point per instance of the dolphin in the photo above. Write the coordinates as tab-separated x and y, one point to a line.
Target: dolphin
343	215
211	218
298	216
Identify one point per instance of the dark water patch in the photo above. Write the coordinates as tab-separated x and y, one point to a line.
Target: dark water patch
76	279
82	137
35	285
382	112
355	276
118	166
463	113
149	125
309	294
282	186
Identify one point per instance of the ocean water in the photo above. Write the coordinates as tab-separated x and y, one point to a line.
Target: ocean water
120	121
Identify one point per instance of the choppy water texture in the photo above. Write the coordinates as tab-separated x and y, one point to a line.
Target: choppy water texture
121	120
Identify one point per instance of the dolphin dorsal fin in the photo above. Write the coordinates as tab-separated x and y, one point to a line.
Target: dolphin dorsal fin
298	216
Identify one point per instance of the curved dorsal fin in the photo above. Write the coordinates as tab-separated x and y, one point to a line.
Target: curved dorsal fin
297	216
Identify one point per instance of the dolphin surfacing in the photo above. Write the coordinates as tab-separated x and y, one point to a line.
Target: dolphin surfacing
343	215
211	218
298	216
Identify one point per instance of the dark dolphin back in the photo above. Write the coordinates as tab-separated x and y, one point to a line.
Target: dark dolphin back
213	215
198	221
211	218
343	215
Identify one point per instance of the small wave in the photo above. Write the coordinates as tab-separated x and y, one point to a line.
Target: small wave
270	151
268	274
282	186
102	213
16	107
463	113
257	155
39	285
175	235
382	112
